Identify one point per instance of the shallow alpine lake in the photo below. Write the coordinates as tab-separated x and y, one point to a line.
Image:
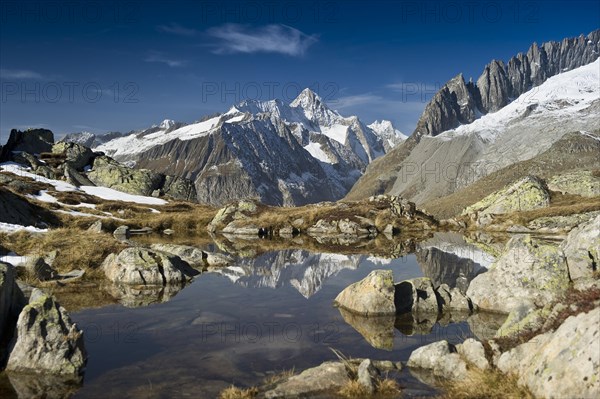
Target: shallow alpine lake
261	316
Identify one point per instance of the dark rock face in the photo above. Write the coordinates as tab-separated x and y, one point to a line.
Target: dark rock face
33	141
458	103
17	210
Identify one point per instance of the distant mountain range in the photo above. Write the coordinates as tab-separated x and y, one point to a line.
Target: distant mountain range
304	152
280	154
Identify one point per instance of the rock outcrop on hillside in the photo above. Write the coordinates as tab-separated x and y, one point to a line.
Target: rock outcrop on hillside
33	141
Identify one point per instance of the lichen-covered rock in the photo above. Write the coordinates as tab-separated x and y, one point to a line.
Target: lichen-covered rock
373	295
560	364
107	172
417	295
46	341
530	273
524	195
96	227
473	352
146	267
453	299
195	257
580	182
76	155
230	213
441	358
326	377
582	249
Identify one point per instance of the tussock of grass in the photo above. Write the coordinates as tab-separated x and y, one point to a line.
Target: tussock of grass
387	388
238	393
278	377
76	249
489	384
353	389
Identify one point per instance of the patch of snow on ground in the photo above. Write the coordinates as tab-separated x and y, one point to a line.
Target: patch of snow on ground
14	259
43	196
11	228
111	194
20	170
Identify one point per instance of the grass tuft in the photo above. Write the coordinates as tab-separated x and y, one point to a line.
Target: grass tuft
238	393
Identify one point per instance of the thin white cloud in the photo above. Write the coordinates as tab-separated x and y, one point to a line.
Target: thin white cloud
20	74
282	39
156	56
352	101
176	29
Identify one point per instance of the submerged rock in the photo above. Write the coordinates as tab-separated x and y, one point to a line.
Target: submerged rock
46	341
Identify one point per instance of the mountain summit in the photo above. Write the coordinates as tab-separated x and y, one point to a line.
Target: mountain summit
278	153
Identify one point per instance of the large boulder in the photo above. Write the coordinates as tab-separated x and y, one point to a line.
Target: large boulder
582	249
11	300
373	295
194	256
580	182
232	213
524	195
33	141
76	155
146	267
441	358
46	341
326	377
417	295
107	172
560	364
530	273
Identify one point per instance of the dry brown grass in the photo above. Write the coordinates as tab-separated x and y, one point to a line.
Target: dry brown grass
353	389
76	249
560	205
387	388
179	216
278	377
238	393
489	384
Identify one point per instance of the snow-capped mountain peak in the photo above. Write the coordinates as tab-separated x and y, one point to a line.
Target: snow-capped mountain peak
388	133
167	124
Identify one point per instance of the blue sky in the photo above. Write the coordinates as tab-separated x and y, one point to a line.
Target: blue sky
116	66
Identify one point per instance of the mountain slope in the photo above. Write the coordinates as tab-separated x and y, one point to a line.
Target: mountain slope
492	129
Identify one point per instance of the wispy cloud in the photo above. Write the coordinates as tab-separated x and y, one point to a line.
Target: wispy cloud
176	29
355	100
282	39
156	56
20	74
